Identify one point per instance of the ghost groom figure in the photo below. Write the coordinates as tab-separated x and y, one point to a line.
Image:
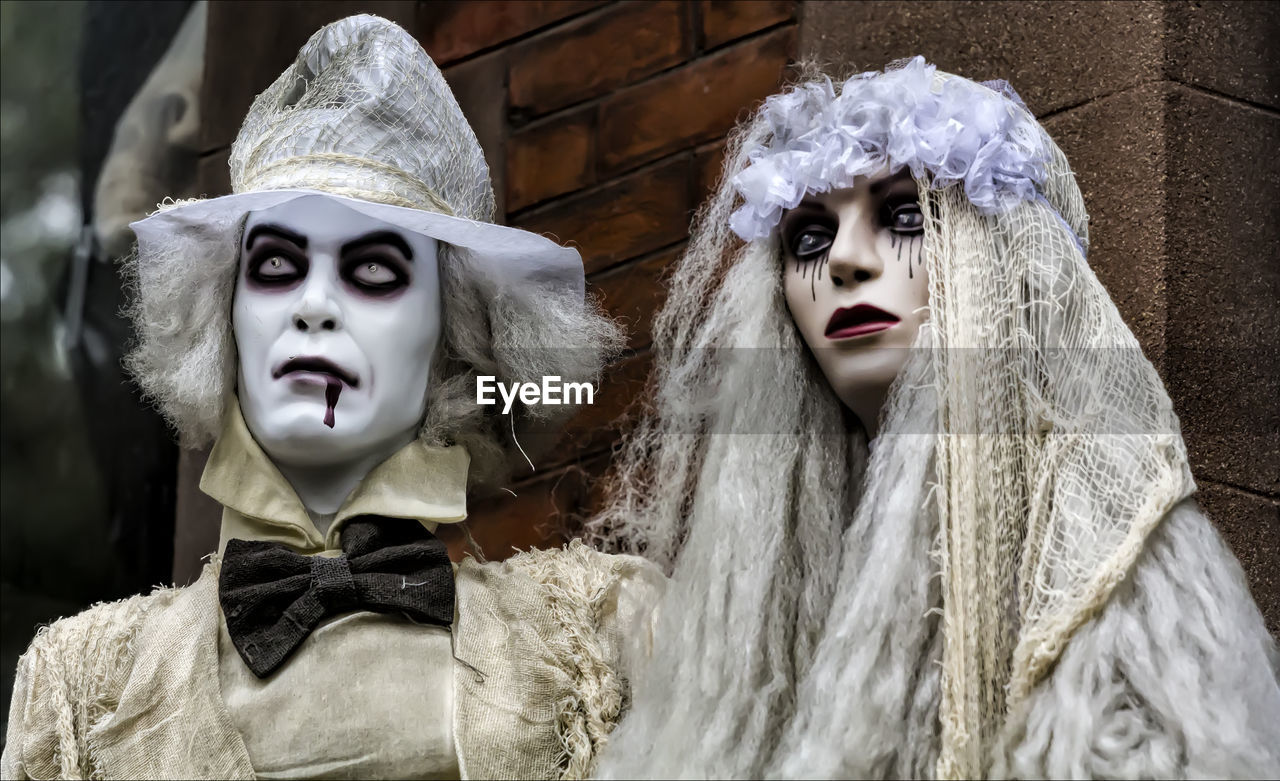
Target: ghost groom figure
325	325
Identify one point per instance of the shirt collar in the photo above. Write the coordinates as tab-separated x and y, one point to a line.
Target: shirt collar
427	483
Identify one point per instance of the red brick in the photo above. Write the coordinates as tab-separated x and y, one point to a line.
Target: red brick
725	20
708	165
693	104
536	517
452	30
550	159
635	215
599	426
595	55
633	293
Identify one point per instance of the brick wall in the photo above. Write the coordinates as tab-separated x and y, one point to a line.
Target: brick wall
603	124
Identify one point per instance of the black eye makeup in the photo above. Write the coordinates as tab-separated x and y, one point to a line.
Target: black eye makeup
902	215
378	264
807	233
275	256
811	242
375	272
273	265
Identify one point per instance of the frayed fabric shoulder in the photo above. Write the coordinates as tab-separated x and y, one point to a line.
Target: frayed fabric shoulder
544	637
130	689
67	687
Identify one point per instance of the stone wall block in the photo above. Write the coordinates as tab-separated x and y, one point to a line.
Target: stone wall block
1036	44
536	517
659	116
551	158
1223	287
1121	173
213	173
199	518
635	215
722	21
1199	34
597	427
590	57
450	30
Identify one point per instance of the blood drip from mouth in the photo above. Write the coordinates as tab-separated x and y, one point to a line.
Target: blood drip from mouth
331	391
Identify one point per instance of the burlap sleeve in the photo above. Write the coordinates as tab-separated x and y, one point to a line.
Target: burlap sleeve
549	633
601	604
69	678
11	763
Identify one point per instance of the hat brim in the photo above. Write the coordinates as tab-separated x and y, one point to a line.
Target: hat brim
507	255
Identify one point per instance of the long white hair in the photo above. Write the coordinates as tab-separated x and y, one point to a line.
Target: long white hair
825	593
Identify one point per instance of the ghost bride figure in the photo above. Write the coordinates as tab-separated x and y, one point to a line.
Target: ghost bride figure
326	324
925	505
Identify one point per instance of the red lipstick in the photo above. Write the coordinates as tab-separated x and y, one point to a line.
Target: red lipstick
859	320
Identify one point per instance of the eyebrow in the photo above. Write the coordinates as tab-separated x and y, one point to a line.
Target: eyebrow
879	187
380	237
802	214
274	230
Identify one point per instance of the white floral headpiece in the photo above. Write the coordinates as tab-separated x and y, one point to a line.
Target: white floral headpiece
954	129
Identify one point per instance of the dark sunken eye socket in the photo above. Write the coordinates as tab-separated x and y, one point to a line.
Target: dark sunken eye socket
811	242
375	272
905	218
808	231
275	267
277	257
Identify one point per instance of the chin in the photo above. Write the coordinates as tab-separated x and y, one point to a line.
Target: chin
866	369
302	438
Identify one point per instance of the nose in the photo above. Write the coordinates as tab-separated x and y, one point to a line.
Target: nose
853	257
318	309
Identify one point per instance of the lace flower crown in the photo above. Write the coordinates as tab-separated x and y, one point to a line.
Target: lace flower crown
954	129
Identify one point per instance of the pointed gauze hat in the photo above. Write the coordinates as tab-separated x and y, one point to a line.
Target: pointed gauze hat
365	116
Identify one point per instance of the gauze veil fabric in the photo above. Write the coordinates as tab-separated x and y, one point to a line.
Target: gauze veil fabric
839	610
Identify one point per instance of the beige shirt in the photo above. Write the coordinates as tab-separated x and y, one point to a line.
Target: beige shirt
143	688
366	695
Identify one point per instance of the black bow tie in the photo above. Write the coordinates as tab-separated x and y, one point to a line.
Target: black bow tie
272	597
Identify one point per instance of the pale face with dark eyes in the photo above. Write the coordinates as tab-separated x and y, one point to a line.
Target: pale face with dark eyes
856	284
336	318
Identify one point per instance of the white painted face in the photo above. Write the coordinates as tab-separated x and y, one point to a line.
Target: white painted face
336	320
856	284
